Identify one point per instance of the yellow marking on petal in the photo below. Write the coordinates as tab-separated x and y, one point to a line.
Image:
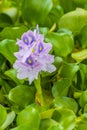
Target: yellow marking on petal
29	61
33	50
41	48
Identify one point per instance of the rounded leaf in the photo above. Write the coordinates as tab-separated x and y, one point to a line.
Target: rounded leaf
8	46
23	127
80	56
61	87
74	20
82	37
62	42
9	120
3	114
83	99
46	123
55	127
30	116
35	11
65	117
22	95
66	102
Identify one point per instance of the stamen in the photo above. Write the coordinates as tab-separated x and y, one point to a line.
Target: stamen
31	38
29	60
40	47
25	39
33	50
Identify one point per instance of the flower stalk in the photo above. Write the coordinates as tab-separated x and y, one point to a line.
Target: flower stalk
39	91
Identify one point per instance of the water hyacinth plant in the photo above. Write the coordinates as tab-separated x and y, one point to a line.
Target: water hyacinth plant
43	65
33	57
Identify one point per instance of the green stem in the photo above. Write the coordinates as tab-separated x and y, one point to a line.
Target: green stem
39	90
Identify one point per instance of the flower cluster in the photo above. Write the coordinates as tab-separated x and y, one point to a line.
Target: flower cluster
33	56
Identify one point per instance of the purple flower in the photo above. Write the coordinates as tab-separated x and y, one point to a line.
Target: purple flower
33	56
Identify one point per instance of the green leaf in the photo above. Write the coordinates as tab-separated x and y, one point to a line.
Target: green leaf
3	114
11	73
22	95
82	37
67	73
47	114
61	87
83	99
65	117
66	102
7	49
54	16
68	70
74	20
55	127
13	32
58	61
62	43
80	1
36	11
80	56
2	59
67	7
83	74
24	127
82	125
5	20
46	123
12	12
9	120
30	116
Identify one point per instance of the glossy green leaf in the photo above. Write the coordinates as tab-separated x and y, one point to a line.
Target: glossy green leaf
83	75
46	123
67	73
82	37
62	43
2	98
80	56
65	117
36	11
30	116
7	49
54	16
2	59
61	87
13	32
69	70
58	61
66	102
9	120
22	95
80	1
12	12
47	114
74	20
3	114
24	127
11	73
83	99
7	86
82	125
5	20
55	127
67	7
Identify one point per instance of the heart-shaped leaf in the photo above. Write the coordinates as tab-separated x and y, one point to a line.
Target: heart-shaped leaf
22	95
